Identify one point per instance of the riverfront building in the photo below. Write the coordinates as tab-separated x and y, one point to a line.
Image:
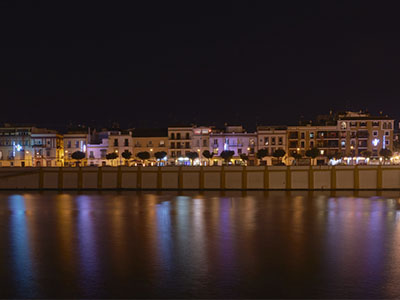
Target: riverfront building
345	138
236	139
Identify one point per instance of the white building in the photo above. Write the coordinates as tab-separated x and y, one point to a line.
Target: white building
236	139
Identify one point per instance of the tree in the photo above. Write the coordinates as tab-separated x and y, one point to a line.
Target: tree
192	156
312	153
111	156
261	154
279	153
160	155
386	153
244	157
366	153
143	155
78	156
127	156
227	155
209	155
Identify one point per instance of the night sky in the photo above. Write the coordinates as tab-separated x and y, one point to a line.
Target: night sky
163	63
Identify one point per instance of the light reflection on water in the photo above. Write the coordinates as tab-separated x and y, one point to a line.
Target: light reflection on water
255	245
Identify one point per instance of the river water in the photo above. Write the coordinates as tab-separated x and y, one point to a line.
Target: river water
211	245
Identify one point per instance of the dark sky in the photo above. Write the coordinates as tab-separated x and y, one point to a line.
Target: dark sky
206	62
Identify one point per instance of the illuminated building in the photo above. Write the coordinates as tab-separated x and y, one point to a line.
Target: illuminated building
236	139
75	141
151	141
271	138
15	146
201	143
97	149
47	148
180	144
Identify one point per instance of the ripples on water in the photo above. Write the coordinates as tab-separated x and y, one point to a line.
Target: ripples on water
258	245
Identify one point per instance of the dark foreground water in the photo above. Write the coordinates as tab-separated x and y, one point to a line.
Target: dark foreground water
274	245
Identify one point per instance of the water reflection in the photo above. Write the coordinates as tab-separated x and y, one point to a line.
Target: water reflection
200	246
22	263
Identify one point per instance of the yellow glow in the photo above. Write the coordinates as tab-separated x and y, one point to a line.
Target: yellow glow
248	149
151	149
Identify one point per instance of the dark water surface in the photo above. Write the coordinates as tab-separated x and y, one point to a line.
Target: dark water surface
258	245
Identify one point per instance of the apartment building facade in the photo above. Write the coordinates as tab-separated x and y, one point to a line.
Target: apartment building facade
271	138
179	144
236	139
151	141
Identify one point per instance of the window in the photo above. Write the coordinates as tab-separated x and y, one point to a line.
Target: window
343	125
385	125
273	141
187	145
374	133
311	135
363	124
178	153
173	154
216	142
48	153
91	154
69	144
266	141
375	124
172	145
172	136
386	133
115	142
387	142
103	153
302	135
302	144
162	143
280	140
178	136
187	136
239	151
76	144
126	142
343	143
353	124
205	143
311	144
